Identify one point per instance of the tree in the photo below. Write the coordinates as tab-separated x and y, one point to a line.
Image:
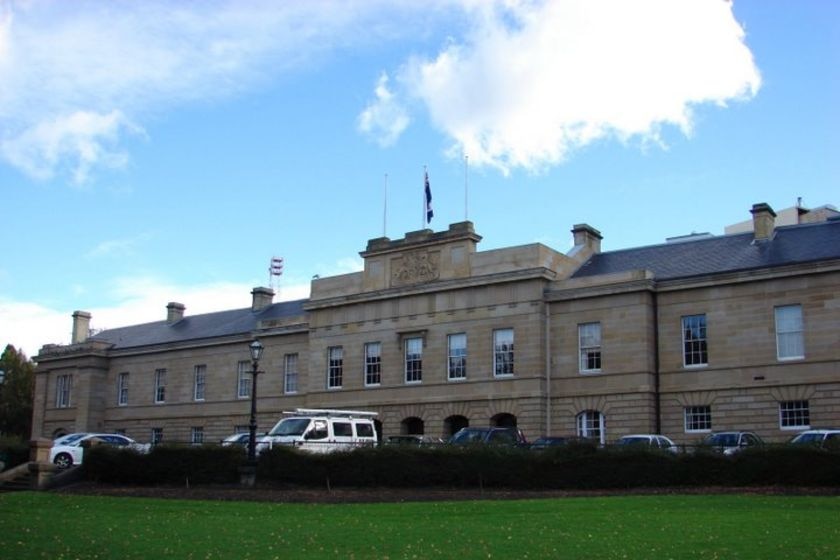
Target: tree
16	392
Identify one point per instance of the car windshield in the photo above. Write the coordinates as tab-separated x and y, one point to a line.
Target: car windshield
723	440
808	438
290	427
468	436
633	441
68	440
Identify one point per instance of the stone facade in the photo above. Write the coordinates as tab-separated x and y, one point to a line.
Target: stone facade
598	354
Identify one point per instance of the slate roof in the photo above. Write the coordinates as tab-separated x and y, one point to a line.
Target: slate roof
796	244
196	327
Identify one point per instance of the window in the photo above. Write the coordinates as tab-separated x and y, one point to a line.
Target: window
199	380
457	344
335	367
160	385
590	424
698	418
794	415
342	429
414	360
290	375
122	389
197	436
243	380
373	363
789	344
695	352
157	436
63	388
503	352
589	341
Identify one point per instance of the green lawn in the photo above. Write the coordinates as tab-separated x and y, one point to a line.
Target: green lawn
44	525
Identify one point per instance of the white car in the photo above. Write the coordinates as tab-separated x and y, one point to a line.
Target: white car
69	450
829	439
654	441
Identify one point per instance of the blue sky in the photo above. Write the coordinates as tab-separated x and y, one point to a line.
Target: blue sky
165	151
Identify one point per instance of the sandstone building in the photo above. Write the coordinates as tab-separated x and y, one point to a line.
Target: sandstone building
703	333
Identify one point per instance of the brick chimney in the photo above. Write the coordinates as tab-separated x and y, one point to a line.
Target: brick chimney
81	326
764	221
174	312
262	298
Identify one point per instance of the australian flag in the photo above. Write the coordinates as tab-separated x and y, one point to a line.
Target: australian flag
429	212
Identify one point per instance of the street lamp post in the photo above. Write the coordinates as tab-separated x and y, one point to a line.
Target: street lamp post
256	349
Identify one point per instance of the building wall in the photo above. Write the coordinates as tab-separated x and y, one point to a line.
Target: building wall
459	290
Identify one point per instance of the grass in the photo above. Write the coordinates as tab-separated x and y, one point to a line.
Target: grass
45	525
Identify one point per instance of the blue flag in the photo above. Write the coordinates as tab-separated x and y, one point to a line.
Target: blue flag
429	211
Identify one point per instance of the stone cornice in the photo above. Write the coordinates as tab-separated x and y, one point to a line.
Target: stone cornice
538	273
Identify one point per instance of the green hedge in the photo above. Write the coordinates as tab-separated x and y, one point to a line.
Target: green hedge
574	467
164	464
13	452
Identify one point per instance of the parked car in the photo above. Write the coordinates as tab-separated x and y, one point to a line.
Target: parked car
490	436
546	442
654	441
731	442
71	451
237	439
412	439
322	430
827	439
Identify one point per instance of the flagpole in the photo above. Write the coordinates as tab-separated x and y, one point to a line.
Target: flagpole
385	210
423	207
466	187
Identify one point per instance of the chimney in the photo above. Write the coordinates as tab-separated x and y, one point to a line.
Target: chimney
764	221
587	237
262	298
174	312
81	326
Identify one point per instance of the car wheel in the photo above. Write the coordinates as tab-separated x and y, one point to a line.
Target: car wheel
63	460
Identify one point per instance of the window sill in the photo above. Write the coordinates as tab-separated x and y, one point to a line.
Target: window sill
590	371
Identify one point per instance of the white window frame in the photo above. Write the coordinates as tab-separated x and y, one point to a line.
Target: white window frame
589	346
413	359
335	367
690	324
503	353
790	343
122	388
63	390
243	379
592	424
456	363
156	436
795	415
290	374
199	382
160	386
694	416
197	435
373	364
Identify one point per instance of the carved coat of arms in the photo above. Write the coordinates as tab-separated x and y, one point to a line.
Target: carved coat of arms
415	268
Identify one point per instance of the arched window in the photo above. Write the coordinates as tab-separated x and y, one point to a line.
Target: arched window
590	424
412	426
503	420
454	423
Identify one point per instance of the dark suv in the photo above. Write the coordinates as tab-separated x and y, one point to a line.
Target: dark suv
489	436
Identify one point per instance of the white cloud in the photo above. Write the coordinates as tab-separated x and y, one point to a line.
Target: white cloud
76	75
535	80
385	118
120	247
83	139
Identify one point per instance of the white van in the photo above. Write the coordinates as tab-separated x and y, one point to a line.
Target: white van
322	430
